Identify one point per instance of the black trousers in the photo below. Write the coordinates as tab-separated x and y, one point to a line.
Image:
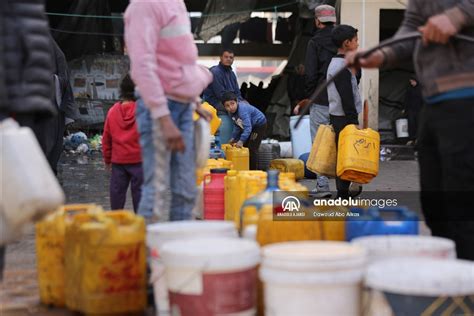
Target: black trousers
338	123
253	143
446	160
49	131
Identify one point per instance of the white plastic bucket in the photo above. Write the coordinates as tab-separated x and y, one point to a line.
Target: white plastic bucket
212	276
399	246
161	233
285	150
421	286
300	137
312	278
402	128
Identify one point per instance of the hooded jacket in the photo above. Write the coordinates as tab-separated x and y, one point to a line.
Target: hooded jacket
120	140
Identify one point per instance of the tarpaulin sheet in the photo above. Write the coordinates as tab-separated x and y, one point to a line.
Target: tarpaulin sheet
220	13
78	36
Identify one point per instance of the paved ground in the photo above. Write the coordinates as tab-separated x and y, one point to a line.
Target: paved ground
85	180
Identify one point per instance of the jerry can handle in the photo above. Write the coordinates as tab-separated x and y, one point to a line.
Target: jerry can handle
241	217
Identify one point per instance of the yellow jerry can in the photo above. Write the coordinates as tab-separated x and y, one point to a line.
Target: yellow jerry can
215	121
238	156
323	156
212	164
106	263
50	234
273	231
358	154
289	165
230	194
249	184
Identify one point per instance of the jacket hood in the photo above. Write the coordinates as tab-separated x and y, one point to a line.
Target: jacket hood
126	110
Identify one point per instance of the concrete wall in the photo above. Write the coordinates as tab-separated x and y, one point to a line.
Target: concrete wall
365	16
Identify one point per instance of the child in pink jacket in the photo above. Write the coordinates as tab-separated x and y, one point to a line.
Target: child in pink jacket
164	68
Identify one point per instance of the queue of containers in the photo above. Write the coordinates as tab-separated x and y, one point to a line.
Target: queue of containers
238	260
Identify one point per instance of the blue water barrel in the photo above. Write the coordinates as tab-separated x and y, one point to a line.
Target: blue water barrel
381	221
308	174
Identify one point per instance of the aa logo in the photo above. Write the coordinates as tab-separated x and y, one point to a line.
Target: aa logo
290	204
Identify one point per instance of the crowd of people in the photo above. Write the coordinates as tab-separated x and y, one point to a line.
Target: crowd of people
149	135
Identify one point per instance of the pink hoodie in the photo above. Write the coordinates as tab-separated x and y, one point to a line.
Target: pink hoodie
162	53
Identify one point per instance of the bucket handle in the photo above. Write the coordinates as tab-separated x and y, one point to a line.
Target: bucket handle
191	277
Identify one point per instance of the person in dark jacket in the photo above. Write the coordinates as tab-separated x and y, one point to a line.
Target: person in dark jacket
296	86
224	80
121	148
249	125
413	105
319	53
25	66
52	130
445	68
27	61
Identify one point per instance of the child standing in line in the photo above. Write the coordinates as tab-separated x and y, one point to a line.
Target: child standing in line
344	98
249	125
121	148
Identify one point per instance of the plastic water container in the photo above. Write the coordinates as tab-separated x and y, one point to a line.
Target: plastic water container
402	128
266	153
312	278
358	154
215	120
212	164
212	276
105	263
386	221
421	286
301	136
270	231
50	235
230	196
286	150
289	165
202	142
238	156
216	153
161	233
30	190
323	155
248	184
402	246
308	174
214	194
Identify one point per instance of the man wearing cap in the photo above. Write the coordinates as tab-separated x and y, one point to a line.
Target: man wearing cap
319	53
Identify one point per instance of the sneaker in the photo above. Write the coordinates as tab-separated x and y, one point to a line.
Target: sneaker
321	193
355	189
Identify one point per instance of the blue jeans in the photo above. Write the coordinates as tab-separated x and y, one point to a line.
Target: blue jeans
176	170
319	115
145	128
226	128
